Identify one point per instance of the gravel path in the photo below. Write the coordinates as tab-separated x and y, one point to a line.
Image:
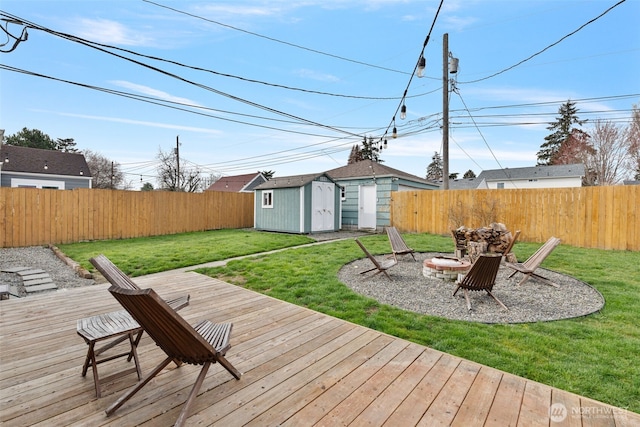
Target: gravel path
38	257
534	301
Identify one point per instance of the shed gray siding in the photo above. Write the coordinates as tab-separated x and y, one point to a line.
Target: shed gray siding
384	187
285	213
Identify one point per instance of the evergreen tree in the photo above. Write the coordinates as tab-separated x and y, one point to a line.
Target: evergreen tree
561	131
32	138
469	174
370	150
435	168
355	155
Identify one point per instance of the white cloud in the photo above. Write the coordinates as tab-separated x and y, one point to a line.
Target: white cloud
110	32
142	123
315	75
146	90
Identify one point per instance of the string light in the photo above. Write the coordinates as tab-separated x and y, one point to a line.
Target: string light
422	64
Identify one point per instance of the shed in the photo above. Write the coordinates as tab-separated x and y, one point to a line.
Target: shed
298	204
366	192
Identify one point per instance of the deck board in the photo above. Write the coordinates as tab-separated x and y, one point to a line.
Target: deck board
300	368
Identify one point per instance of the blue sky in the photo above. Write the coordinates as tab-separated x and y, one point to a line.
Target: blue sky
291	86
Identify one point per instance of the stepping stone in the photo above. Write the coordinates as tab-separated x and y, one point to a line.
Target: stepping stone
15	269
33	279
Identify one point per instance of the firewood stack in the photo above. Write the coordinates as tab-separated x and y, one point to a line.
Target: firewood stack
493	239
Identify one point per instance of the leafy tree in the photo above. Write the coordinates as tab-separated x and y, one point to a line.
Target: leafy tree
105	173
66	144
32	138
453	175
561	130
147	187
469	174
35	138
435	168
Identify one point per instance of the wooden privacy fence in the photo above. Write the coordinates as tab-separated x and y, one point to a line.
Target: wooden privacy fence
588	217
32	216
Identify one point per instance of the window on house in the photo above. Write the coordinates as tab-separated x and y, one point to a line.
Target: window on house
267	199
501	185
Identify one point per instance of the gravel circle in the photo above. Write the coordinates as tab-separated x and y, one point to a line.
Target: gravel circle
38	257
533	301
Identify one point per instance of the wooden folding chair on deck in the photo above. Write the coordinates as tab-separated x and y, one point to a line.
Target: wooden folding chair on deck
203	344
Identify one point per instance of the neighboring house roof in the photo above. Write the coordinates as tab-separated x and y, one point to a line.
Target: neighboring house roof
238	183
553	171
369	168
631	182
576	170
291	181
43	162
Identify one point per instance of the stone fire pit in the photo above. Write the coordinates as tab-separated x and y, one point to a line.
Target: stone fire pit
444	268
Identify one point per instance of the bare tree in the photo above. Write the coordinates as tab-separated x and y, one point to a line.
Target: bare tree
633	143
177	177
609	160
104	172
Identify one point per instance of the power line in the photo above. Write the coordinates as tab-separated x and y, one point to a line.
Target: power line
548	47
185	80
274	39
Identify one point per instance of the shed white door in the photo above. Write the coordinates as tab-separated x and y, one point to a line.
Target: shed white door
367	206
322	205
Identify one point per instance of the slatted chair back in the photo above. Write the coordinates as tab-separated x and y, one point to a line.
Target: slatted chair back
398	245
204	344
118	278
482	275
509	248
381	267
535	260
177	338
113	274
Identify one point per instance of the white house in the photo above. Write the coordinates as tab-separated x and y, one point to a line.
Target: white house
555	176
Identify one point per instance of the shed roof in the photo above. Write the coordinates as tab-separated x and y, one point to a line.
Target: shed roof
291	181
369	168
45	162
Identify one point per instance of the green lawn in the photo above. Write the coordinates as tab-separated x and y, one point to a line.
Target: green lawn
595	356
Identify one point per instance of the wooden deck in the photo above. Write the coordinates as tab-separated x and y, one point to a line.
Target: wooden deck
300	368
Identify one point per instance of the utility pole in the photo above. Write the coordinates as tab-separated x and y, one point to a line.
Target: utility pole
445	111
177	162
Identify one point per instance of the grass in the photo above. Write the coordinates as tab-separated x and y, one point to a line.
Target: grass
595	356
146	255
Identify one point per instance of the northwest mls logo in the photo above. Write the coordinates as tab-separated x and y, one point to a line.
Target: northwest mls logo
558	412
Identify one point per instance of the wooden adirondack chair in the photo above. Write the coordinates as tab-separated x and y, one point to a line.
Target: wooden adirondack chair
398	245
115	327
202	344
529	267
481	277
116	277
382	267
507	251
